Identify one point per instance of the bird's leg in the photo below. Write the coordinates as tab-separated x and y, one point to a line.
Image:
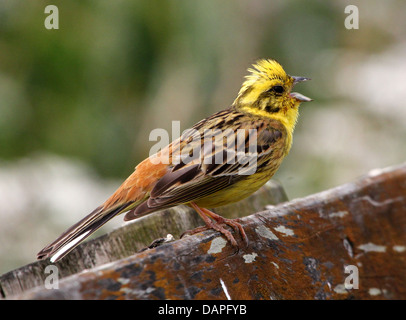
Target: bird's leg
212	224
231	222
216	224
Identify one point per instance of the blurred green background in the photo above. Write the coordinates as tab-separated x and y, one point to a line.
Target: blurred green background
77	104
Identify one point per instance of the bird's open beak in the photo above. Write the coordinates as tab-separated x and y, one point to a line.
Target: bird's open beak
296	95
299	79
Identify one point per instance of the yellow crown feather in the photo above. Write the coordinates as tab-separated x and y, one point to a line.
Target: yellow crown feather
265	69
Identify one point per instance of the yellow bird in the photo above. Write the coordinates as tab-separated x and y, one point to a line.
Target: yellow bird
220	160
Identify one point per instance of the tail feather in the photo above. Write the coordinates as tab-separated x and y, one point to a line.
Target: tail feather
71	238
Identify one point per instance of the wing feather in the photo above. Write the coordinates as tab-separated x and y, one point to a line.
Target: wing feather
194	180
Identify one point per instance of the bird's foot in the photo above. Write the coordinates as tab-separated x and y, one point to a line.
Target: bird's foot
217	222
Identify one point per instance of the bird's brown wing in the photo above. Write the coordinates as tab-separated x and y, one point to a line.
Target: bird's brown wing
210	171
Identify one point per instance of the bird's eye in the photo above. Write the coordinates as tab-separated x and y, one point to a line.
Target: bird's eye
277	89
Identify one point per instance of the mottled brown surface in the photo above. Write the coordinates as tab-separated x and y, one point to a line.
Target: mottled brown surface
130	238
297	250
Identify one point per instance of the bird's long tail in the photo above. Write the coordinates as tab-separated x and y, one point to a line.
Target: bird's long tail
68	240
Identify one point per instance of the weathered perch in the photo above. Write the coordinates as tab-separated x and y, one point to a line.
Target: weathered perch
297	250
131	238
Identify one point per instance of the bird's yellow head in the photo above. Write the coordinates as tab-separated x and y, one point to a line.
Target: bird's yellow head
266	92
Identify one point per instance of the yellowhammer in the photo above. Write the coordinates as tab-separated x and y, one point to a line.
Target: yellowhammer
221	159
